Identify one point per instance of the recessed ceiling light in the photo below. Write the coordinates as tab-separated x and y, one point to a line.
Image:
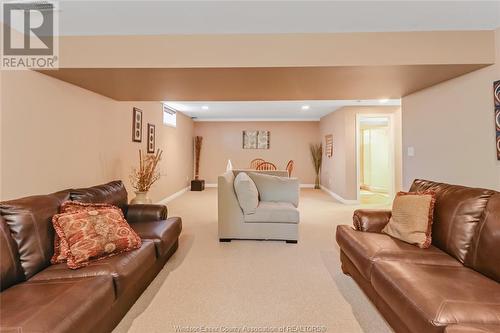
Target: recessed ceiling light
305	107
383	100
204	107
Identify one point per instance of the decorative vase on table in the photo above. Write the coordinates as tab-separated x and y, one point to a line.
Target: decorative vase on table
141	198
143	177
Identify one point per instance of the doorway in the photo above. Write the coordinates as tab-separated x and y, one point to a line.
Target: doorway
375	159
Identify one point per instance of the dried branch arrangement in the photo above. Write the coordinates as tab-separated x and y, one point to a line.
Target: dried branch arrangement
317	157
147	174
198	140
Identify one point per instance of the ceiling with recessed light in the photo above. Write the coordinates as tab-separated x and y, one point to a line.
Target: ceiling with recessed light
269	110
223	17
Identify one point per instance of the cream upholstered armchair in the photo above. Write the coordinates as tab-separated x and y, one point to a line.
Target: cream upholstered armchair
270	214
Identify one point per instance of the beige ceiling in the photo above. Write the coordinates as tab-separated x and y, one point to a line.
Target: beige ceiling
260	83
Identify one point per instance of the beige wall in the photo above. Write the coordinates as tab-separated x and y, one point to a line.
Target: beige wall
56	135
289	141
451	126
339	173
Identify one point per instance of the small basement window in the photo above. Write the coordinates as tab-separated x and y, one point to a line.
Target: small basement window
169	116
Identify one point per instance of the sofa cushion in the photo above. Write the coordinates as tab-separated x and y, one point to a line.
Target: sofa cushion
411	219
113	193
276	189
366	248
246	191
484	255
11	271
429	297
127	269
164	233
472	328
95	234
275	212
457	213
30	222
56	306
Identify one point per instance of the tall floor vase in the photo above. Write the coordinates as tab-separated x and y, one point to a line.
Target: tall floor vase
316	183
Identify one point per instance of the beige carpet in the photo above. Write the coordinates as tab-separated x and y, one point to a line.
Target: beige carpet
258	286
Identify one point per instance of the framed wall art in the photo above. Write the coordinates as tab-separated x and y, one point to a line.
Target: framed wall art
137	125
496	94
329	145
151	138
256	139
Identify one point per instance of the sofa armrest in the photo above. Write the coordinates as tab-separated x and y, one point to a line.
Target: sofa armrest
371	220
146	213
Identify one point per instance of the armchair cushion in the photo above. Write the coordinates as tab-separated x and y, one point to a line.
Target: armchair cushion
274	212
246	191
277	189
146	213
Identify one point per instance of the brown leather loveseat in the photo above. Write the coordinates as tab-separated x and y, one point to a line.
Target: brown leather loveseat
453	286
39	297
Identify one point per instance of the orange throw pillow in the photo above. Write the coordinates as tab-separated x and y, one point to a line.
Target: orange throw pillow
93	234
412	216
71	207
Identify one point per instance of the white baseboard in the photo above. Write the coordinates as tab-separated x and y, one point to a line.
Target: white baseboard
301	185
339	198
173	196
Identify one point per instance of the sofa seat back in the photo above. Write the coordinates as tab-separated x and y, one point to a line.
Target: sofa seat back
484	255
113	193
11	271
29	221
457	214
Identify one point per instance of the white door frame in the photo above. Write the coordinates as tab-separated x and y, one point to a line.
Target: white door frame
392	152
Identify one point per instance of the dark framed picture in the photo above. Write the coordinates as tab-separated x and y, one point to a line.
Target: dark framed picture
151	138
137	125
496	96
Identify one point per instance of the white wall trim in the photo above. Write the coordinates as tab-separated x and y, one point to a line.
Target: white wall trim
254	119
173	196
339	198
301	185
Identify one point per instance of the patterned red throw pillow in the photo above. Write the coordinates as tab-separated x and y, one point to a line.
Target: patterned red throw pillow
72	207
93	234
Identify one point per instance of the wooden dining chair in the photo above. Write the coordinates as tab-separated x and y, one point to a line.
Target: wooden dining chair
266	166
255	163
289	168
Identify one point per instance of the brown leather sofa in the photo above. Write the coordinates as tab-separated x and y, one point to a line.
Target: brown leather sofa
39	297
451	287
